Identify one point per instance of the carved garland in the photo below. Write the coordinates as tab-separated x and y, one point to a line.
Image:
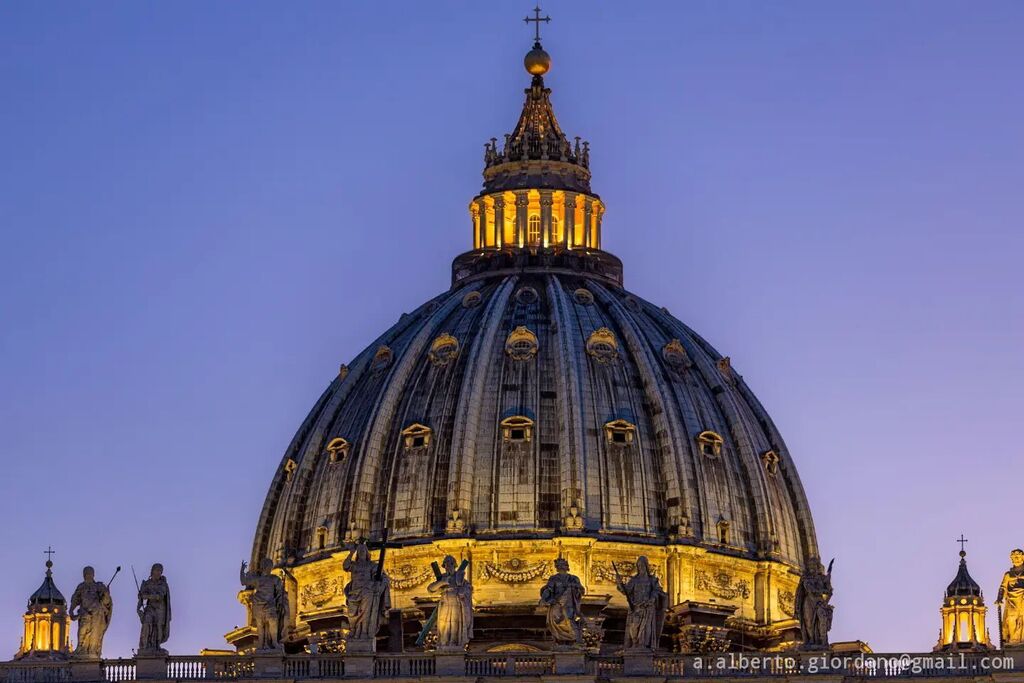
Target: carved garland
514	571
404	577
722	585
605	571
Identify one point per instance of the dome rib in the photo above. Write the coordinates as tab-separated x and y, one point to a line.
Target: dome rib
468	417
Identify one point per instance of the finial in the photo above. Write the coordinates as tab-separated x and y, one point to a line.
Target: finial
49	552
537	61
962	541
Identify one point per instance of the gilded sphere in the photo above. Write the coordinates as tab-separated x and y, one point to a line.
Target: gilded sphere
537	61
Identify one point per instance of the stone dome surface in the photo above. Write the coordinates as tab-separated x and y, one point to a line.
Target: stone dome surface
537	401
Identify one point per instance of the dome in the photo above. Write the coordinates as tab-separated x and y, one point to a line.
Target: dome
47	593
577	359
963	585
538	410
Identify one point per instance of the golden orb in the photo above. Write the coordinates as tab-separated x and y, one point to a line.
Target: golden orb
537	61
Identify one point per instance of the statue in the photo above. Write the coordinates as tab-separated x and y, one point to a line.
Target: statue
562	595
368	594
154	610
647	604
1011	602
812	601
268	606
455	608
91	607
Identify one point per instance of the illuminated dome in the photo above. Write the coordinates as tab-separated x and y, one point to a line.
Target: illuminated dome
534	409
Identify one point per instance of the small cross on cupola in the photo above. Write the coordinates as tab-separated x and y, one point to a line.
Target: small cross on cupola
536	20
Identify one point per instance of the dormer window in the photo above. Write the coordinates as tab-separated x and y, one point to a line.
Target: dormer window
321	538
337	449
416	438
521	344
381	359
443	350
517	429
289	469
710	443
675	355
619	432
771	461
602	346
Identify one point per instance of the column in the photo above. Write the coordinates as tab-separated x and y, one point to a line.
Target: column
569	224
600	215
481	212
522	206
499	220
588	209
478	233
546	200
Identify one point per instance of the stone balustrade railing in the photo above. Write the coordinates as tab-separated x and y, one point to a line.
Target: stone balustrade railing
412	666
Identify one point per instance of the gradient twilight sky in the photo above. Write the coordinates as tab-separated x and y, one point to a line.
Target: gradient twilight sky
206	207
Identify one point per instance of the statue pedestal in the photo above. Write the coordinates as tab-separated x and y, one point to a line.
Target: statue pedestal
637	663
358	665
268	665
86	670
450	664
358	646
150	667
570	662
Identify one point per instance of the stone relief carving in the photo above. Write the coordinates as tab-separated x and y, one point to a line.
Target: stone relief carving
722	585
320	592
786	600
512	571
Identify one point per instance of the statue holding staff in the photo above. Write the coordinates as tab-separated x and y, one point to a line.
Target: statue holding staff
647	604
368	593
154	609
91	606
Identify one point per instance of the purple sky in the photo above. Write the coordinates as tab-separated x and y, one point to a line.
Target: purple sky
206	207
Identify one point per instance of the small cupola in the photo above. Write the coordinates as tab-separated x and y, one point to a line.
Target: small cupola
47	633
963	612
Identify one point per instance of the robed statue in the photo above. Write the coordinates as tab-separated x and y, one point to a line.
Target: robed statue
368	594
455	607
268	606
647	604
91	607
1011	602
812	600
562	595
154	608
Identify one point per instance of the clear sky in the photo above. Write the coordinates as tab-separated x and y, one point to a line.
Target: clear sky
206	207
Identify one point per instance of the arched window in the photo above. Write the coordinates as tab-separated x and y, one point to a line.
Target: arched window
533	230
556	230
